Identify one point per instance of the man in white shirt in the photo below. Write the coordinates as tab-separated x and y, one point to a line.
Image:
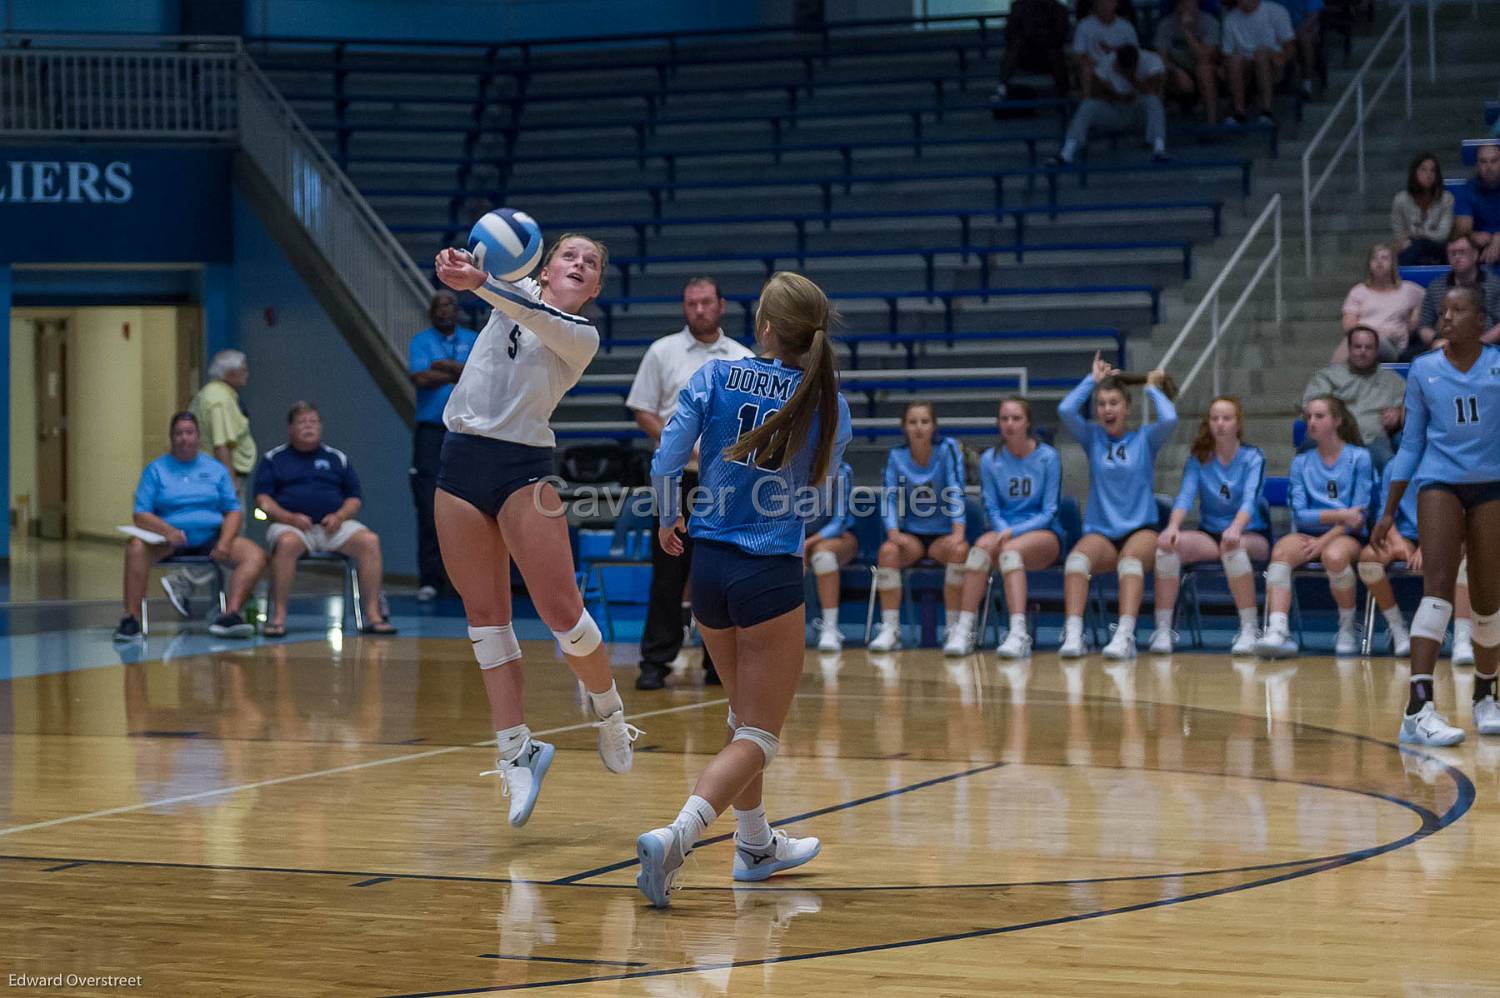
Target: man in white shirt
663	373
1096	39
1128	86
1259	33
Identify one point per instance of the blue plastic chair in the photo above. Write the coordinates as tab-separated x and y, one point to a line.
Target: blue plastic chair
628	562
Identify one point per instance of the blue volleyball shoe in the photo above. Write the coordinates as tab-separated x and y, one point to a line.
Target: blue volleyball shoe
521	780
661	856
753	863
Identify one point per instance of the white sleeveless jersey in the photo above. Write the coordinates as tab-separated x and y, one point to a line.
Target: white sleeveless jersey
526	358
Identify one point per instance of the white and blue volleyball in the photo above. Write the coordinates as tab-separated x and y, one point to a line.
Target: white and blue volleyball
506	244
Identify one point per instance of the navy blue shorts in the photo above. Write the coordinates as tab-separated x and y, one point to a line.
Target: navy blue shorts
1469	494
484	472
733	589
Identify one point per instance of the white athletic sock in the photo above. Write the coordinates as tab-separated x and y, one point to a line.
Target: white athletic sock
1346	618
1126	625
831	618
1394	619
696	815
950	618
513	742
1072	626
751	827
1163	620
1018	623
1463	629
966	619
1249	618
1278	622
608	702
890	618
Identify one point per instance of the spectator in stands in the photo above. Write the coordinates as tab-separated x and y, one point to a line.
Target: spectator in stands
189	499
1188	42
1422	215
923	509
665	370
1127	90
311	493
1036	39
1257	34
435	360
829	546
1477	212
1464	269
1373	395
1382	302
1305	17
1099	35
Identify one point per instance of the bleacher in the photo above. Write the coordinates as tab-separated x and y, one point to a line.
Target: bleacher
870	158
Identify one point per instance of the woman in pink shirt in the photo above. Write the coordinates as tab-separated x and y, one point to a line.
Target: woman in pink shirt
1385	303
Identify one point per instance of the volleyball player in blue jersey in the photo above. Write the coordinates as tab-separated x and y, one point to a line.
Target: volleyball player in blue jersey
1224	476
923	507
1021	481
1451	445
1119	527
1331	487
830	546
769	430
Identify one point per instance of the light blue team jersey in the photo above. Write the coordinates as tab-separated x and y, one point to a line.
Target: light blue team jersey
1224	491
1452	432
924	499
1406	512
193	496
836	518
1316	487
1121	499
759	511
1021	493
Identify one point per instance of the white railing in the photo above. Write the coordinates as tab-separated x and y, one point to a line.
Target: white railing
1364	100
373	266
176	88
1220	321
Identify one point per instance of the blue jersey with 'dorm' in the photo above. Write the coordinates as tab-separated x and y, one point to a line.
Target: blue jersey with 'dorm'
1121	500
1021	493
924	498
1316	487
1224	491
755	509
1452	432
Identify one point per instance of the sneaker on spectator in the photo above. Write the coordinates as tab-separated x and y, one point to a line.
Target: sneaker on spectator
426	594
179	589
129	629
1267	118
231	625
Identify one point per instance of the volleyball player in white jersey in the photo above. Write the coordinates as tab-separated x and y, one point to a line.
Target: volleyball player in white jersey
493	503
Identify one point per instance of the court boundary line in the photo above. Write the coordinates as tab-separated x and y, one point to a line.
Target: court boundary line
316	774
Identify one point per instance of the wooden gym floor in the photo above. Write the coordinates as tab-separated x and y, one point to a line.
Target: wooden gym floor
308	819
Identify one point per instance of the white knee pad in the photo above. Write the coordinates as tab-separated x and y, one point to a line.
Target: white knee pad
731	722
1486	629
953	575
1342	579
978	560
1129	567
1236	563
824	562
1371	572
494	646
582	639
767	742
1463	572
1431	619
1078	563
1011	561
1168	564
1279	574
887	578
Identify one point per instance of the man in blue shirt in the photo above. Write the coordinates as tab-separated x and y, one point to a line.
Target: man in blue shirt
1477	211
311	493
435	360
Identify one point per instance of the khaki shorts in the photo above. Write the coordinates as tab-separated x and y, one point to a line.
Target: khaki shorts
316	540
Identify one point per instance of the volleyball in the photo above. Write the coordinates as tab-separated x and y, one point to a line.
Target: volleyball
506	244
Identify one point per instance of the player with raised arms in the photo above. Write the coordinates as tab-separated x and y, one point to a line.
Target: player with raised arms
770	430
1451	446
494	503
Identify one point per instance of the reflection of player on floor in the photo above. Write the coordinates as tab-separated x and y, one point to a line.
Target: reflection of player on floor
1452	447
765	428
493	503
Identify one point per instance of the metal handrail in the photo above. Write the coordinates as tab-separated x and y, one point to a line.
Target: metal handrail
1363	108
1210	304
